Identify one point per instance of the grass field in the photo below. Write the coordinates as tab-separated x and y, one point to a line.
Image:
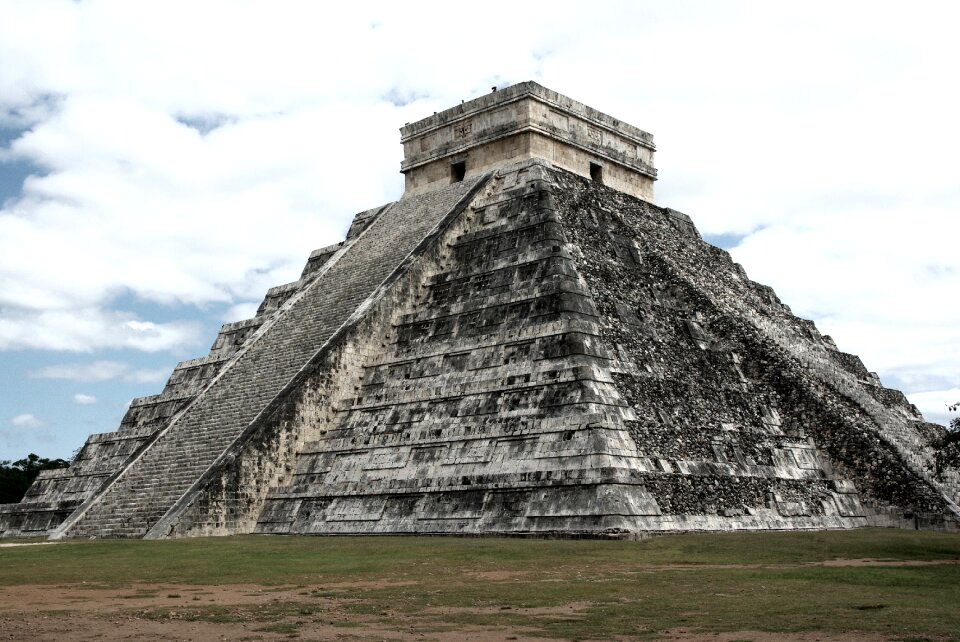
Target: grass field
891	584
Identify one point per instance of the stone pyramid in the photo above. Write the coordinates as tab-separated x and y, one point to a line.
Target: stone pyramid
524	343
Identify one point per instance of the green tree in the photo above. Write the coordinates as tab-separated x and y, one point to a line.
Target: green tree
16	477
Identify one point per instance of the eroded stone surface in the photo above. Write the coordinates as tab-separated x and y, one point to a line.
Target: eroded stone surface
521	122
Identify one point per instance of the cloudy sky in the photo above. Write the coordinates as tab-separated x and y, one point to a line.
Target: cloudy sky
163	163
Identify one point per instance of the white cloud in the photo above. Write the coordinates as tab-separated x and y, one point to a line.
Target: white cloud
96	371
84	329
102	371
241	311
142	375
26	420
84	400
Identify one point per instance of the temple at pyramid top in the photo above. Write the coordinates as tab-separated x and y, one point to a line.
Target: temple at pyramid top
521	122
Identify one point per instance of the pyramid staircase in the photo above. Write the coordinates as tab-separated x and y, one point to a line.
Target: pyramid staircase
135	499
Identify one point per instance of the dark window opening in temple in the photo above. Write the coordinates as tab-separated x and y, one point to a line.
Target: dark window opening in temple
596	172
458	171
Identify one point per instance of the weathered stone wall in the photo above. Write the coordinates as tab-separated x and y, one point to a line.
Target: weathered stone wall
527	121
478	161
524	146
578	160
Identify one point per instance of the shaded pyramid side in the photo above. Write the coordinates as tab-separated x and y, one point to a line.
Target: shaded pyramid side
156	477
750	413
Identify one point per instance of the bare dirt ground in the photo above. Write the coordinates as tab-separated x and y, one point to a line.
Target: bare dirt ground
149	612
163	612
